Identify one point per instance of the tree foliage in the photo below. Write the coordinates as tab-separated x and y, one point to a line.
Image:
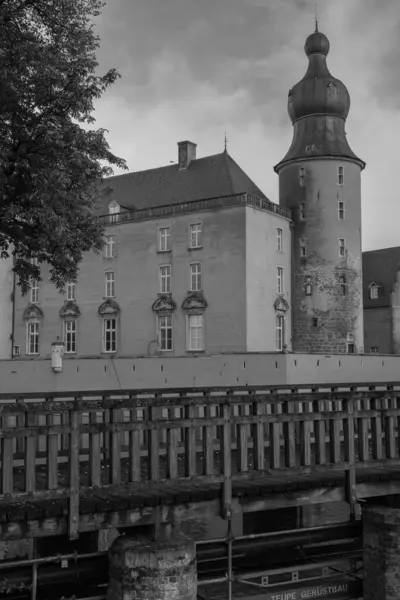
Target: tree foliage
51	160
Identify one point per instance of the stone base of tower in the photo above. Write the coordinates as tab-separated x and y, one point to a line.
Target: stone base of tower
381	551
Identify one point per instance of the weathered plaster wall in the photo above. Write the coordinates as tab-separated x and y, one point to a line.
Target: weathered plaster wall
378	328
136	267
6	288
262	260
338	315
247	369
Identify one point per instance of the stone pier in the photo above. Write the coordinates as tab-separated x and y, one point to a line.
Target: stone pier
381	551
152	570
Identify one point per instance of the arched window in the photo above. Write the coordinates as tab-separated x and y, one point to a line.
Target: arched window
109	312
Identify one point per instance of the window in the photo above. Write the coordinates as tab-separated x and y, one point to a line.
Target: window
303	247
342	247
110	246
302	176
34	291
342	283
302	211
279	280
350	348
110	284
165	279
164	239
195	235
340	175
114	210
316	322
165	332
374	291
375	349
279	239
71	287
279	332
195	277
109	335
195	333
70	336
341	210
32	342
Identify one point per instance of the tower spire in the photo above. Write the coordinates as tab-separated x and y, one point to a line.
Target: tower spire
316	16
225	143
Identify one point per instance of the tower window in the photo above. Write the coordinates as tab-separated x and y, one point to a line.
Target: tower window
342	283
302	211
302	176
280	324
340	175
303	247
341	210
279	280
316	322
342	247
279	236
374	291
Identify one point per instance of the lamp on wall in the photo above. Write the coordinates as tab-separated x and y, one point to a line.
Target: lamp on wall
57	351
308	286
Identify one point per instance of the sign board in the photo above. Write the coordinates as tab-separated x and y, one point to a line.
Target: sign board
335	588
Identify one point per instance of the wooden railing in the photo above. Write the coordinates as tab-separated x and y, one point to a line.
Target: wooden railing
60	446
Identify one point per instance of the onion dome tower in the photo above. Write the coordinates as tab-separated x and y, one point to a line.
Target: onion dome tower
320	181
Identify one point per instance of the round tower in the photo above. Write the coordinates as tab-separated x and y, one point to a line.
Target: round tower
320	181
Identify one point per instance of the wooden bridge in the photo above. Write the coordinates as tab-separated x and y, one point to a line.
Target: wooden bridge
74	463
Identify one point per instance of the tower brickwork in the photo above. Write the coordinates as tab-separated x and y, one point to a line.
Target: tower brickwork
320	181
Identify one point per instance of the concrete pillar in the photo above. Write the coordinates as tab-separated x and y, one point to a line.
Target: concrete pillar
148	570
381	552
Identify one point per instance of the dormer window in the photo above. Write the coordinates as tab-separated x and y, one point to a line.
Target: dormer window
374	291
113	210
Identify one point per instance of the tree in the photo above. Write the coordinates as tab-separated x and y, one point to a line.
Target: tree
52	162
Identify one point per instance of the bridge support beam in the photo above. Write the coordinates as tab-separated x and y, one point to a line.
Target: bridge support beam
381	551
152	570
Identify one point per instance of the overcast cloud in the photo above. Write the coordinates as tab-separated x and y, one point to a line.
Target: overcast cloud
193	69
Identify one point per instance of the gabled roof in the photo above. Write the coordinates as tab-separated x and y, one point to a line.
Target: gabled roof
380	267
208	177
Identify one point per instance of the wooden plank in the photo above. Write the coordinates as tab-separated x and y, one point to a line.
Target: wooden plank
390	432
172	447
289	435
334	434
242	436
376	430
7	459
115	448
363	431
350	455
20	425
208	444
52	457
320	434
30	455
94	454
258	437
153	447
73	516
226	451
190	443
275	439
134	451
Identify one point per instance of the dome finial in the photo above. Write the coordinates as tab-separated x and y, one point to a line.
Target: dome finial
316	16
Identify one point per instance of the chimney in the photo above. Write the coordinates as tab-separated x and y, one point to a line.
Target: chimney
186	153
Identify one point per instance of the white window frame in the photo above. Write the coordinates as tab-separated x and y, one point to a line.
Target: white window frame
36	333
279	332
110	246
113	210
71	291
340	175
302	211
34	291
164	239
279	239
195	343
165	276
196	277
110	326
69	336
196	231
341	210
374	349
109	278
342	247
303	247
302	176
374	292
279	280
165	324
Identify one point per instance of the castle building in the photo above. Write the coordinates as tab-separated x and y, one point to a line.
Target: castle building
197	259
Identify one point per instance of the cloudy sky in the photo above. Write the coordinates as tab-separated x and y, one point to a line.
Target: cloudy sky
193	69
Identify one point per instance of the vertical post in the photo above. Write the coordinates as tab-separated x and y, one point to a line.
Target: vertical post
74	475
30	454
208	443
94	453
153	445
350	473
258	437
226	449
7	459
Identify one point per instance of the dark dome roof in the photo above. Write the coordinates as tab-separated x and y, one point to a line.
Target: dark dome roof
318	92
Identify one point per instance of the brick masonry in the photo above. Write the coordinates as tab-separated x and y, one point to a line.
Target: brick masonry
381	553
